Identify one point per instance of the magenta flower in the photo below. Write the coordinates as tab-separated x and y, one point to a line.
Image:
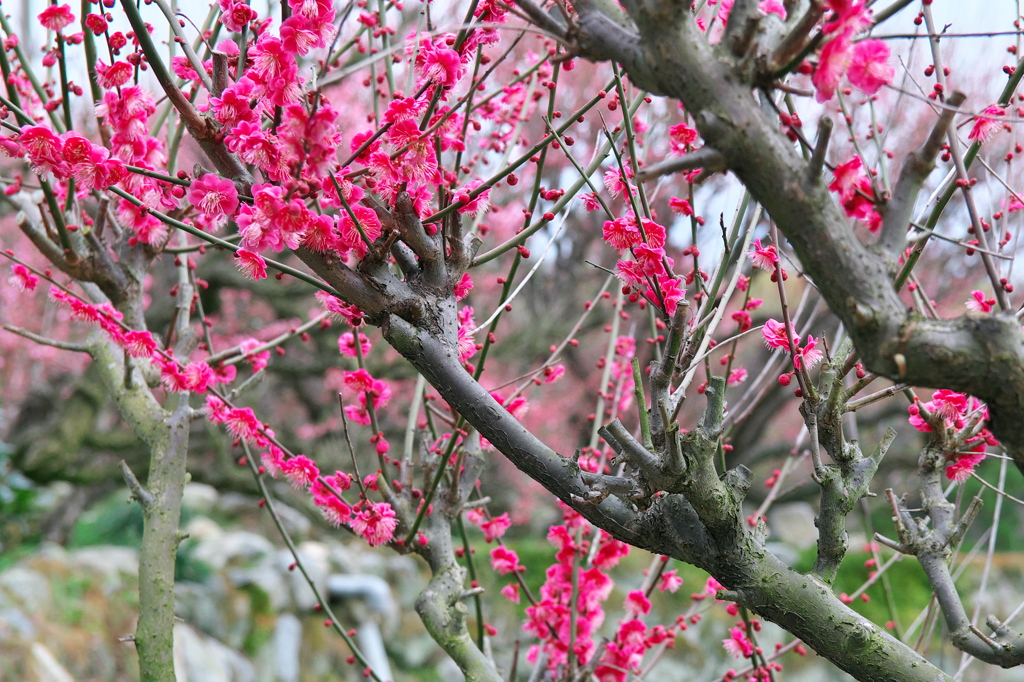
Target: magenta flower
113	76
347	344
236	15
242	422
738	646
139	344
466	342
96	23
670	581
251	264
504	561
376	525
300	34
853	185
22	278
495	527
724	10
217	410
850	17
810	355
358	414
622	233
610	553
258	361
336	511
737	376
681	138
962	468
630	273
948	404
359	380
615	183
273	461
348	234
44	149
339	480
869	68
672	292
300	470
987	123
832	63
775	335
90	164
511	592
472	205
553	373
56	17
764	257
198	376
637	604
978	303
440	65
463	287
680	206
650	259
766	7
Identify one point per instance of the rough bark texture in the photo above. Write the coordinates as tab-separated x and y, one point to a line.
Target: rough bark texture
443	610
699	520
979	355
799	603
166	435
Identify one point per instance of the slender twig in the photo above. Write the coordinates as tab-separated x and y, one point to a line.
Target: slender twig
297	558
42	340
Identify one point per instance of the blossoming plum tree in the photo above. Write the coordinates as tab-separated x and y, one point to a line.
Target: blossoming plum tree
371	152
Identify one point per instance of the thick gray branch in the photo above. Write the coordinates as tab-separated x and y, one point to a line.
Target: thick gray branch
980	356
706	158
437	361
933	545
916	169
353	287
441	606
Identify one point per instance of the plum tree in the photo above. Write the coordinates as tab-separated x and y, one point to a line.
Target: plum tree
397	160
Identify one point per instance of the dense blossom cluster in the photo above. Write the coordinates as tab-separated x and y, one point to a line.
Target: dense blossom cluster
319	178
375	522
579	581
964	418
863	62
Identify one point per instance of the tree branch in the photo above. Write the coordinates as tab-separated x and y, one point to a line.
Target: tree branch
916	168
202	130
706	158
933	547
983	357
